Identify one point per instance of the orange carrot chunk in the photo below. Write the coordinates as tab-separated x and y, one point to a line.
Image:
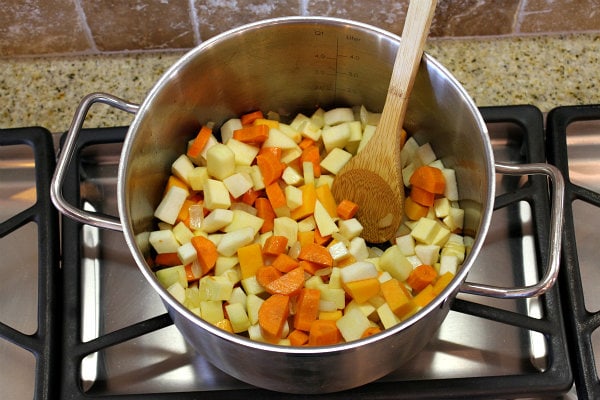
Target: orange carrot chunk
311	154
265	211
275	195
421	276
346	209
275	245
272	315
422	196
252	134
285	263
429	178
199	142
317	254
323	332
370	331
250	117
167	259
289	284
207	253
307	308
297	338
267	274
270	167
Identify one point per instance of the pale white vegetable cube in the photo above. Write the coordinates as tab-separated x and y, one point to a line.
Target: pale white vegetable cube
251	286
177	291
170	275
292	177
448	263
352	324
308	172
217	288
238	317
451	189
406	244
427	253
220	161
441	206
192	298
187	253
407	172
234	275
204	153
212	311
182	167
335	280
286	226
324	179
307	224
253	303
335	160
318	117
355	137
238	184
358	271
437	164
238	296
182	233
335	295
442	234
350	228
425	154
217	219
289	155
394	262
338	251
216	195
327	306
338	115
358	248
455	218
368	132
290	132
335	136
255	333
367	117
197	177
244	153
409	151
228	127
384	277
224	264
293	196
243	219
425	230
414	261
324	222
366	308
257	178
171	204
279	139
314	282
231	241
387	316
163	241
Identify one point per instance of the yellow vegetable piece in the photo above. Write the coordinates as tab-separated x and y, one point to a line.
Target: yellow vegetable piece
362	290
424	296
326	198
330	315
442	282
250	259
309	197
397	297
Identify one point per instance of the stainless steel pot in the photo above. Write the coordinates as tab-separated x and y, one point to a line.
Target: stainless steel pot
289	65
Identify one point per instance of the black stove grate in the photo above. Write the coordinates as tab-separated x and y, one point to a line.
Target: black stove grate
44	344
556	378
581	322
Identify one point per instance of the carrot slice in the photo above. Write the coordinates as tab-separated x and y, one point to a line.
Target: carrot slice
265	211
267	274
199	142
297	338
275	245
272	315
207	252
248	118
307	308
323	332
310	267
167	259
288	284
422	196
320	239
317	254
271	168
305	142
428	178
285	263
252	134
275	195
311	154
370	331
421	276
346	209
251	195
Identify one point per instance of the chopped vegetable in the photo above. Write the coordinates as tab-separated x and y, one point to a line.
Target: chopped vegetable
272	316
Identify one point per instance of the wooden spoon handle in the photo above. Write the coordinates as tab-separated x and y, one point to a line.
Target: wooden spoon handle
414	34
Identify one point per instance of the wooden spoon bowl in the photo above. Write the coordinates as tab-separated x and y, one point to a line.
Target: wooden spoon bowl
373	178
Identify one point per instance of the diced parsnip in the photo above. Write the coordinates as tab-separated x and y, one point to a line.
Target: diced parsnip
366	309
217	288
253	303
217	219
280	140
335	160
182	233
212	311
335	279
325	179
163	241
292	177
220	161
182	167
425	230
448	263
368	118
406	243
238	184
441	207
425	154
187	253
170	205
289	155
318	117
251	286
394	262
228	127
368	132
358	249
216	195
353	324
170	275
307	224
408	153
427	253
335	295
238	317
285	226
451	189
407	172
290	132
455	218
386	316
308	173
293	196
338	251
355	137
197	177
324	222
350	228
224	264
338	115
244	153
231	241
177	291
358	271
335	136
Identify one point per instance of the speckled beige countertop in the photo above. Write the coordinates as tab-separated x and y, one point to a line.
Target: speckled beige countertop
545	71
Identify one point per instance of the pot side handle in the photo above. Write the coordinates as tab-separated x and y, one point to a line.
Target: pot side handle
66	154
555	237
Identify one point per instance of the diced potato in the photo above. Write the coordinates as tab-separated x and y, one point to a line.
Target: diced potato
335	160
182	167
216	195
352	324
170	205
170	275
220	161
335	136
394	262
164	241
358	271
238	317
228	127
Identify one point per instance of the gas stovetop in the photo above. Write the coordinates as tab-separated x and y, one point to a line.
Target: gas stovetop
78	320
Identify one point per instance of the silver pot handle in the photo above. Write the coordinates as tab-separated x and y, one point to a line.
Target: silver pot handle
556	224
66	154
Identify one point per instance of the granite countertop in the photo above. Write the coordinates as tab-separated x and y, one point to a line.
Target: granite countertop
545	71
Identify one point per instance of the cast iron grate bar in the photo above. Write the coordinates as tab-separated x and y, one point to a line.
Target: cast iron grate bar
44	344
556	378
581	322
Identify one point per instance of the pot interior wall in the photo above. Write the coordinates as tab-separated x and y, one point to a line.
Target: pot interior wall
290	66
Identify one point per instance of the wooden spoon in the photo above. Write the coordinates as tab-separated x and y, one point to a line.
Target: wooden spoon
373	178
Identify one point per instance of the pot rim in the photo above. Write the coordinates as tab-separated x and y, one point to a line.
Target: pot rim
440	300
